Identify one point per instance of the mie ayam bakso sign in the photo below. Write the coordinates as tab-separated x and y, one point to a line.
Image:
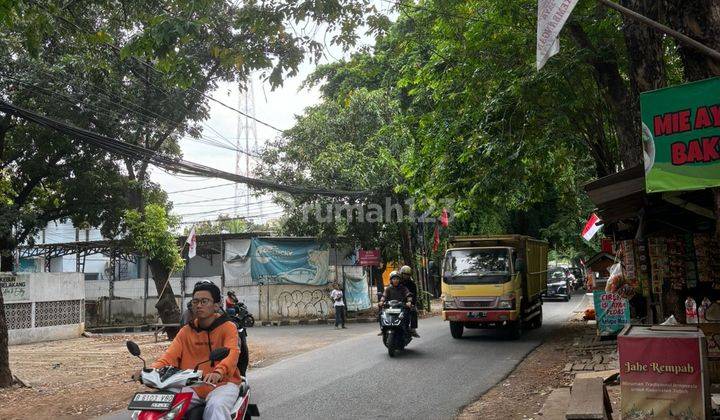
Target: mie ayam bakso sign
681	136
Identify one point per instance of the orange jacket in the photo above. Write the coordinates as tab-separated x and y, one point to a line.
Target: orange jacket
192	345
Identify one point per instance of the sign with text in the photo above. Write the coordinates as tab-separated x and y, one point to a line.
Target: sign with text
681	136
369	257
612	312
661	376
14	289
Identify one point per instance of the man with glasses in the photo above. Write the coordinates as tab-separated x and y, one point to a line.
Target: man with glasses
193	344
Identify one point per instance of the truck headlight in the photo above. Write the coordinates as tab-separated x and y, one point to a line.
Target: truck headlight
448	302
506	302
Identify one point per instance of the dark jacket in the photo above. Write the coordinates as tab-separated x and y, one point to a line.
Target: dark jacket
400	293
412	287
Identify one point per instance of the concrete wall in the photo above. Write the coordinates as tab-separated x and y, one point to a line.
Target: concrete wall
44	306
295	302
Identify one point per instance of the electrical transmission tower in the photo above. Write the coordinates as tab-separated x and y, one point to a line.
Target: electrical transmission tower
246	140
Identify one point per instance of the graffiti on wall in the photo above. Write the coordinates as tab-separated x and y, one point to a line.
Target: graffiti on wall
304	303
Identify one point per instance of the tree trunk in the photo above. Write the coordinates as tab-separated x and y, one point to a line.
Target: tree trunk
6	378
700	20
166	306
406	245
647	72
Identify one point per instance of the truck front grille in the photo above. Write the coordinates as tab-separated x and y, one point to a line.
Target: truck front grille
476	303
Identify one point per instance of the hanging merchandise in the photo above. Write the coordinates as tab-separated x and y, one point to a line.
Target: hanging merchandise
676	262
690	269
643	266
628	257
657	248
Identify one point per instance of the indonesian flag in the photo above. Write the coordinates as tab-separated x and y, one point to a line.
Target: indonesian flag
436	239
592	226
444	219
192	243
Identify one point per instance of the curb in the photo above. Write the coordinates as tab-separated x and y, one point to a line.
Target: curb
317	321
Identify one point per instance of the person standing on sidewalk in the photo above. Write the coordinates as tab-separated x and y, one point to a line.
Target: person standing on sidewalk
339	305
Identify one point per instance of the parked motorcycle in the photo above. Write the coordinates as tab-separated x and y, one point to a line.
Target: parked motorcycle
394	323
167	402
241	311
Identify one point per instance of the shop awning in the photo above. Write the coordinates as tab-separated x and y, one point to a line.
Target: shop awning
620	195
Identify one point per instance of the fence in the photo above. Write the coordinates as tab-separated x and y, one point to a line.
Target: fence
43	306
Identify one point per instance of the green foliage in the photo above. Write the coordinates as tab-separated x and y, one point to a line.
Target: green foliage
150	233
223	224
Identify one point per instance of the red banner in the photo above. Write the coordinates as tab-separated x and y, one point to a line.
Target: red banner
661	377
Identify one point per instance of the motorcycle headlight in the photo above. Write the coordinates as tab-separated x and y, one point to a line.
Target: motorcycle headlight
174	412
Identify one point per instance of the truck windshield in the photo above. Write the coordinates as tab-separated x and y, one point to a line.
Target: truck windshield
480	266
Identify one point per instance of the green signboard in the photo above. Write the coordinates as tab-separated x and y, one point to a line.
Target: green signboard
681	136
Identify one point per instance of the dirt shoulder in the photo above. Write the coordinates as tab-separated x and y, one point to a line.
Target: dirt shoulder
87	377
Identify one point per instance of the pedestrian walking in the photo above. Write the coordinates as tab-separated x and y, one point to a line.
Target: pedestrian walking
339	305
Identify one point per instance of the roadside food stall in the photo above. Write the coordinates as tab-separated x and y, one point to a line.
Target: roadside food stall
662	218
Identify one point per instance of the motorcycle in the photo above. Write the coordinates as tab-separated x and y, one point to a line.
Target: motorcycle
394	325
240	310
168	402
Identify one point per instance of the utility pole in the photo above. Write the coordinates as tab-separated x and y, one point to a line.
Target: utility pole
247	133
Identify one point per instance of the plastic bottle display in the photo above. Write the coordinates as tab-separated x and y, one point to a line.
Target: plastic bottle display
702	310
691	313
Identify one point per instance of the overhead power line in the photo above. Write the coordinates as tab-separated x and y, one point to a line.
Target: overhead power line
149	66
163	161
202	188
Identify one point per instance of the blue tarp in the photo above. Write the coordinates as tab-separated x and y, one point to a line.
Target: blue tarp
288	262
356	289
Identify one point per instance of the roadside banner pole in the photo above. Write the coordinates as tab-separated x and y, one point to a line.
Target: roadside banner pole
662	28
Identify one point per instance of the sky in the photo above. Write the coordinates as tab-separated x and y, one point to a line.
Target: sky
278	108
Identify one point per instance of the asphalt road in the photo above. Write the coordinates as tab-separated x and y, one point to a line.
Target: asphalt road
354	378
435	377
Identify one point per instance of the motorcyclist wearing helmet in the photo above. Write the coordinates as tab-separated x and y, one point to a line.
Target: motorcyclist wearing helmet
407	281
193	344
230	301
398	292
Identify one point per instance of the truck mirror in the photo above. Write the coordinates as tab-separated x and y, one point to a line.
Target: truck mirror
519	264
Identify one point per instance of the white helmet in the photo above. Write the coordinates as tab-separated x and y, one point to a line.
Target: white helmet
394	274
406	270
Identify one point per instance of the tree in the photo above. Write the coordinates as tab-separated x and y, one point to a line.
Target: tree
223	224
349	142
140	73
150	233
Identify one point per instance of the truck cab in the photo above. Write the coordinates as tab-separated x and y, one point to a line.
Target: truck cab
485	284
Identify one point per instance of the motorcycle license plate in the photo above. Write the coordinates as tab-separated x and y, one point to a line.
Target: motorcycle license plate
160	401
475	315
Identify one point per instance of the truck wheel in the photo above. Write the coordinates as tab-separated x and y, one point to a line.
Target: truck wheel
537	321
514	330
456	329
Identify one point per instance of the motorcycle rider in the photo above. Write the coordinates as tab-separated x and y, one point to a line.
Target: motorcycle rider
193	344
396	291
187	315
409	283
230	301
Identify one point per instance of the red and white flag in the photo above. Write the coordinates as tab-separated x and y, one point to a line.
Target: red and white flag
192	243
436	238
592	226
444	218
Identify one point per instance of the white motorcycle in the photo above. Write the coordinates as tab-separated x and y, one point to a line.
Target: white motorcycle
168	402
